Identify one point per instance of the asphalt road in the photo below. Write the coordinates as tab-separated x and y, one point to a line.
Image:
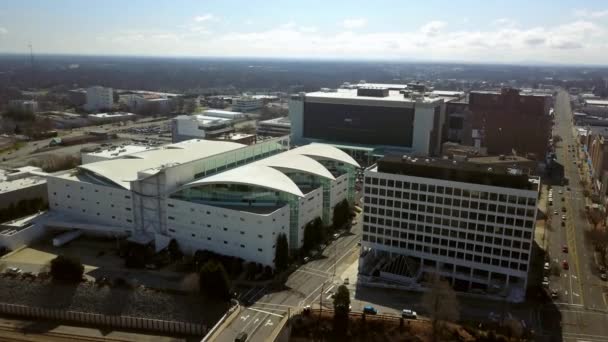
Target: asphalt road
582	304
311	284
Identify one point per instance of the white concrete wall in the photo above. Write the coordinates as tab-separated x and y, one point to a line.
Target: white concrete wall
95	203
296	117
225	231
423	125
338	193
311	207
21	237
99	98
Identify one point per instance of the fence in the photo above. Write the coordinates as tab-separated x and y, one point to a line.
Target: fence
87	318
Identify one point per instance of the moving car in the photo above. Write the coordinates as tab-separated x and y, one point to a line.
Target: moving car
241	337
346	281
306	259
563	217
565	265
565	249
554	212
564	209
368	309
409	314
336	235
547	266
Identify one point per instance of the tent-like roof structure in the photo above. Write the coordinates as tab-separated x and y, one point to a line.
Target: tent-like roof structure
123	170
269	172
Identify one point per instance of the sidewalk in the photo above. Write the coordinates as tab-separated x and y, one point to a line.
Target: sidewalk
541	231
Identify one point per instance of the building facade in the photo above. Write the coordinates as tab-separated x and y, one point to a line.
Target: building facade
186	127
225	197
369	117
99	98
246	104
508	121
470	226
276	127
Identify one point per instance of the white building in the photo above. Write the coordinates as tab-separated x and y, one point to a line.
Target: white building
110	117
226	114
23	183
186	127
472	226
26	106
246	104
154	103
113	152
379	118
276	127
225	197
99	98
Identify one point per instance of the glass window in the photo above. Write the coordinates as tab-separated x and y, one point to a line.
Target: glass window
391	183
382	182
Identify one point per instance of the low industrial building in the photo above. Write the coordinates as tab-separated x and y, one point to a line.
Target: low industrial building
19	184
99	98
186	127
246	104
220	196
226	114
24	106
276	127
469	223
111	117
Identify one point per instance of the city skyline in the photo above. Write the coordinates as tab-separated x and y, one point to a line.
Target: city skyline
434	31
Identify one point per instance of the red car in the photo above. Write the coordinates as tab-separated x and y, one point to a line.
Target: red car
565	249
565	265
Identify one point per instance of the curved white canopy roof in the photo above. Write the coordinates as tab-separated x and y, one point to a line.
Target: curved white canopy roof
297	162
123	170
326	152
255	175
267	172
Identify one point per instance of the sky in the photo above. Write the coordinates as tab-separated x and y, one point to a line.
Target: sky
515	31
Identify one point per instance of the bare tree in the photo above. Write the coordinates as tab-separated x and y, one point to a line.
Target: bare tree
441	304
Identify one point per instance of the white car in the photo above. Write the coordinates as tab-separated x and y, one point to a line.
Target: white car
409	314
547	267
563	217
554	212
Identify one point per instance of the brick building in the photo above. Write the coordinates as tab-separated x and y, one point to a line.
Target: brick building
506	120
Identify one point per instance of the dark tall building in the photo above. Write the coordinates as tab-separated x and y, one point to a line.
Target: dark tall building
508	121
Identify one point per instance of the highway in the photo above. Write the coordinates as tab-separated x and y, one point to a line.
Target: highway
582	303
310	284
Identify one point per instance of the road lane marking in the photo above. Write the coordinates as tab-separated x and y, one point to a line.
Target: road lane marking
315	274
266	312
283	305
345	254
313	292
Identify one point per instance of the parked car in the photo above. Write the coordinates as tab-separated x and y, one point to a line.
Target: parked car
306	259
336	235
565	265
565	249
603	276
346	281
547	267
554	294
409	314
241	337
368	309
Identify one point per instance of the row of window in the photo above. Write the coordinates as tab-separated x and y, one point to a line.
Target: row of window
442	190
477	206
453	213
225	242
436	233
457	202
487	260
98	213
452	243
67	185
445	223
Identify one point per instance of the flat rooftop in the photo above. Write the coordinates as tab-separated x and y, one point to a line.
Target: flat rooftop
351	94
110	115
15	179
455	171
601	102
119	151
282	121
209	112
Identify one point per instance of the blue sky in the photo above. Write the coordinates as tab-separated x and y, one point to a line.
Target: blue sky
497	31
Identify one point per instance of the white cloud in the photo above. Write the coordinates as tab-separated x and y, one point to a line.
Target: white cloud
432	28
575	42
585	13
3	30
354	23
205	17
